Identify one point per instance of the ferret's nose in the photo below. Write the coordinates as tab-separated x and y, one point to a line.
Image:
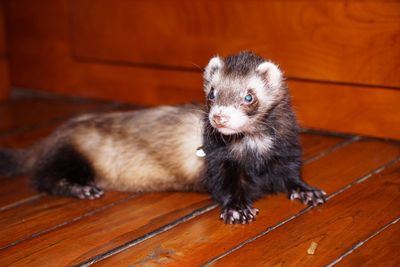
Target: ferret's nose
220	120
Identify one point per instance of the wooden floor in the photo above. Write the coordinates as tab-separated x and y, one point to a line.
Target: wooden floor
358	226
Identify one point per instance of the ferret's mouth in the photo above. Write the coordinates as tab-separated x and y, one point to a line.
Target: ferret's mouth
225	130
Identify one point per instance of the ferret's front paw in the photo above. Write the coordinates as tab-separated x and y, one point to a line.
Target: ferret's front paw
309	197
237	215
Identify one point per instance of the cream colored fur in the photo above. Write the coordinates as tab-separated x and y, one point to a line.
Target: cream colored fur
147	150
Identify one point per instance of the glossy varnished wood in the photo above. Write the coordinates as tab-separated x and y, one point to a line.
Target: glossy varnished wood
47	212
315	43
36	220
204	238
339	37
104	230
382	250
313	144
339	224
183	229
14	190
370	111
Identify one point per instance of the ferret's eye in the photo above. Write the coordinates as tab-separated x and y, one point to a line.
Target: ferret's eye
211	94
248	98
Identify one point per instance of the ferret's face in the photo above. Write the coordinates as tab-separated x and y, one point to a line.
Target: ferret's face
237	103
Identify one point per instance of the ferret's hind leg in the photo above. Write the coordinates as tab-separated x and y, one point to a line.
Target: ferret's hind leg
66	188
65	171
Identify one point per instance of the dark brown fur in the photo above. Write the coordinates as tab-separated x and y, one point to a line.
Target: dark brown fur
255	150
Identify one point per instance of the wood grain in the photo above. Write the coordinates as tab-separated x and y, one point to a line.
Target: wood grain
104	230
382	250
15	189
314	144
45	30
39	215
38	30
205	237
358	110
374	112
320	40
345	220
68	232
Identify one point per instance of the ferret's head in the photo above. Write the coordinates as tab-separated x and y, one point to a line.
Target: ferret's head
240	90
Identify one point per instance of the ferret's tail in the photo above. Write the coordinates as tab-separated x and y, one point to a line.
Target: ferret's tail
14	162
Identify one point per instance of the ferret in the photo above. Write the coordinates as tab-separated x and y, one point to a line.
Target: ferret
250	137
241	146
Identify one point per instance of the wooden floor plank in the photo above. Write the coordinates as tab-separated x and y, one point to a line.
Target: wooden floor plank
205	237
314	143
15	189
122	233
381	250
44	213
104	230
29	111
344	220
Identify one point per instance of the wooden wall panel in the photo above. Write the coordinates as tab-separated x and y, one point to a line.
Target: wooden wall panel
341	41
4	81
2	30
43	56
349	109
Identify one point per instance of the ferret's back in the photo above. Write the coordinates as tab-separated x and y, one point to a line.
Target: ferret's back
146	150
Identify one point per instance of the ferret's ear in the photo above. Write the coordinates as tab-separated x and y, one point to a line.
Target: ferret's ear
271	73
213	65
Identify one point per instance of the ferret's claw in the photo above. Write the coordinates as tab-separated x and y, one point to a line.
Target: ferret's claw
86	191
236	216
312	197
